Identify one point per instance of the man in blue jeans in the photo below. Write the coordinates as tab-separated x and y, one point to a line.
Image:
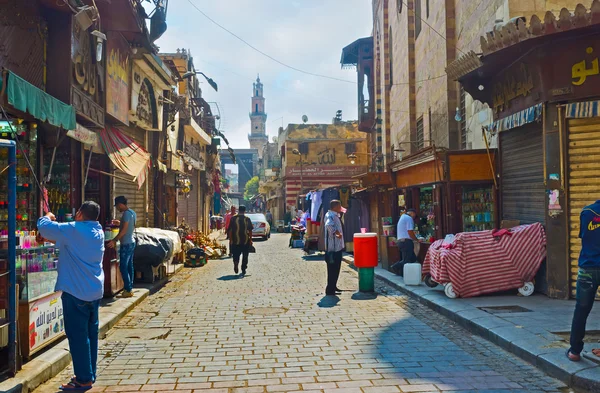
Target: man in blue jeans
405	231
125	236
81	280
588	278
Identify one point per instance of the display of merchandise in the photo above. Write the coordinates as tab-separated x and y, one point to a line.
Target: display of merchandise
426	219
478	209
37	266
58	188
25	135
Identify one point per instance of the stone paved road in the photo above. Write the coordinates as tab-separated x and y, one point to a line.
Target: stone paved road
273	331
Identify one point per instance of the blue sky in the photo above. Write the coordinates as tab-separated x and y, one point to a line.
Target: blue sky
307	34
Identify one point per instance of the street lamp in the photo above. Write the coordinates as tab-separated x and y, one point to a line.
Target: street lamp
297	152
211	82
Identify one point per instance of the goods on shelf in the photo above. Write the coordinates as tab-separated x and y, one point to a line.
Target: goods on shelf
478	209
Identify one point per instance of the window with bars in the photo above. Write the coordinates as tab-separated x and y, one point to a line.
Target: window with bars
463	116
303	148
420	133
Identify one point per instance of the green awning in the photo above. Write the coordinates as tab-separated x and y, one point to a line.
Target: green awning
25	97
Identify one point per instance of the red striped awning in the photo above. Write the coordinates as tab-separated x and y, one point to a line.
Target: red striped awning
126	154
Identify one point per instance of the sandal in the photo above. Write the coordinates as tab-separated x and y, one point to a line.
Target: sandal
74	386
572	357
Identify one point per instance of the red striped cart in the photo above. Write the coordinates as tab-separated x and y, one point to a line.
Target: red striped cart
477	263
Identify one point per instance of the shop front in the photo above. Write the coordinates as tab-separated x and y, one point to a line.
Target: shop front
43	152
546	112
451	191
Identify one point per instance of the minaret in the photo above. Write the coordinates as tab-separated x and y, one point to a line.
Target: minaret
258	134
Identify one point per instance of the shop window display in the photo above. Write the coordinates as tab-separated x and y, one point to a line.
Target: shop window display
478	209
426	219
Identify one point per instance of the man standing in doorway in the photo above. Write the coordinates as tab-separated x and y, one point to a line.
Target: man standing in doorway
81	280
125	236
406	241
334	246
269	217
588	278
240	237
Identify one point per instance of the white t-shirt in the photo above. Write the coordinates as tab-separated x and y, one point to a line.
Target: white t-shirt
405	224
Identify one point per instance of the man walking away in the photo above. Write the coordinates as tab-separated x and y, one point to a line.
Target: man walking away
228	217
588	278
81	280
240	236
127	228
334	246
406	241
269	217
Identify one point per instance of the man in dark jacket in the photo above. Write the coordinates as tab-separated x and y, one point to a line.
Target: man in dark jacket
239	233
588	278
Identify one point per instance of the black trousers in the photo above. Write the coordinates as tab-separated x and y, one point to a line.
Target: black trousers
243	251
334	265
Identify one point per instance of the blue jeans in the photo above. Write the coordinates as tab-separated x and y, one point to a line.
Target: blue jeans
81	328
126	265
588	281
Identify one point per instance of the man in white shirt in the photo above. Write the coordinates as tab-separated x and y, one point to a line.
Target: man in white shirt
406	241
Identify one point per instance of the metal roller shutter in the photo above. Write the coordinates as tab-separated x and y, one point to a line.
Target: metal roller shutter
522	180
584	181
136	198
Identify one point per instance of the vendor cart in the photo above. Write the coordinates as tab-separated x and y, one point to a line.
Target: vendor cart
478	263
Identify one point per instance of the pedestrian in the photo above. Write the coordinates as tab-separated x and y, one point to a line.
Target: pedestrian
588	278
125	236
405	231
228	216
81	280
334	246
269	217
240	236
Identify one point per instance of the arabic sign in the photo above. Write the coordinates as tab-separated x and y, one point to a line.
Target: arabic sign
325	171
46	320
117	77
146	108
512	85
580	71
83	135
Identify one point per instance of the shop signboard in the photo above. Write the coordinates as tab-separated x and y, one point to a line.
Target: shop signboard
46	321
325	171
145	103
117	77
83	135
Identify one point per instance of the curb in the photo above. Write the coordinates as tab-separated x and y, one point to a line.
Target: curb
51	362
525	346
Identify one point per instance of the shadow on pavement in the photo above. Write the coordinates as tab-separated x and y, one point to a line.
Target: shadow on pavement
328	302
230	277
364	296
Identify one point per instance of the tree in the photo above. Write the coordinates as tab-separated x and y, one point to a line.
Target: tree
251	188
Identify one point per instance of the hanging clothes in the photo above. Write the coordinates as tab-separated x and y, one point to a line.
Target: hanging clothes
364	215
352	220
345	196
217	203
329	195
316	197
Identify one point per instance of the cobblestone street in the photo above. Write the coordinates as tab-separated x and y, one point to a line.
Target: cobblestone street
273	331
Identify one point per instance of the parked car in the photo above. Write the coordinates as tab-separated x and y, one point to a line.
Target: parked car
261	226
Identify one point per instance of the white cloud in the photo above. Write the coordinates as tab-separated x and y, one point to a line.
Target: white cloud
307	34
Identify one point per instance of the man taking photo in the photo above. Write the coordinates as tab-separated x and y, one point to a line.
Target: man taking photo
81	280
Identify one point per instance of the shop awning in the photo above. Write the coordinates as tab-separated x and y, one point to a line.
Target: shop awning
25	97
583	109
374	179
526	116
126	154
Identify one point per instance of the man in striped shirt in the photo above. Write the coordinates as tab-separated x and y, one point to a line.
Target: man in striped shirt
334	243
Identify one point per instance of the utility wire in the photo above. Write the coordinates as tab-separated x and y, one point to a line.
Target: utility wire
431	27
263	53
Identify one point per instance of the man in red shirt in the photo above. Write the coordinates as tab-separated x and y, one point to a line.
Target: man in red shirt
227	221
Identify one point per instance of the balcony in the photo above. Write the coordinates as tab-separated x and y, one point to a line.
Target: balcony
366	116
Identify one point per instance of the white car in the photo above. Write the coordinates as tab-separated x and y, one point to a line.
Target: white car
261	226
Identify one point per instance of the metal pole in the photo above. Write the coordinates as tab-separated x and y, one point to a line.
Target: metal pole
12	253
